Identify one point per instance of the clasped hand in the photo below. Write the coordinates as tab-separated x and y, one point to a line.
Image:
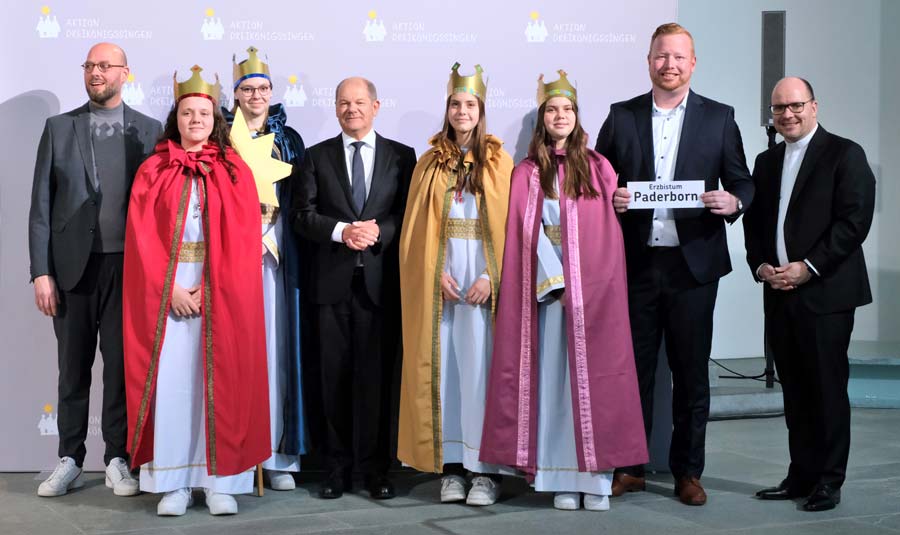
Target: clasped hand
478	294
361	235
786	277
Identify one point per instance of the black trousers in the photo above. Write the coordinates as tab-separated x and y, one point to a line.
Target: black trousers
811	358
92	307
355	387
664	299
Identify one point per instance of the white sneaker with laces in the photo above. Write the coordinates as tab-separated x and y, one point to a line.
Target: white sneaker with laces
484	491
594	502
220	504
453	489
119	478
175	503
567	501
280	480
65	477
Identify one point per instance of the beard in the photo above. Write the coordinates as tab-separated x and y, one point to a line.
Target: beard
669	84
101	97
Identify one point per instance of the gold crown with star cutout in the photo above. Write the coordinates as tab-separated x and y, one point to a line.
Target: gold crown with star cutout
250	68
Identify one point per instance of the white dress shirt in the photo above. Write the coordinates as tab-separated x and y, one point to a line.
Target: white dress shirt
367	153
793	158
666	136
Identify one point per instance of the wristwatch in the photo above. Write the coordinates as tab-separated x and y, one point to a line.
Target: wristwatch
740	205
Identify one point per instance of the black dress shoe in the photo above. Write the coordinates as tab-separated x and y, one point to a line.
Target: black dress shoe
333	487
823	498
784	491
380	487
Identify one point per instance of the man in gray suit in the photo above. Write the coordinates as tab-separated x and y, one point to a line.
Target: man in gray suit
86	162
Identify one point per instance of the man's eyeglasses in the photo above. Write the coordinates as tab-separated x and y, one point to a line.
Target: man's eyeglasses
795	107
247	91
103	66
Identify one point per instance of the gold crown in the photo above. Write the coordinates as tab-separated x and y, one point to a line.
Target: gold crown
195	86
559	88
474	85
250	67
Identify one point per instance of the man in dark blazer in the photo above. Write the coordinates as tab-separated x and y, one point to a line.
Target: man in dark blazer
349	204
675	257
86	162
804	234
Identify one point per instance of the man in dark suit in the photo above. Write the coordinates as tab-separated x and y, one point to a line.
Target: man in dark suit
349	204
86	163
675	257
804	235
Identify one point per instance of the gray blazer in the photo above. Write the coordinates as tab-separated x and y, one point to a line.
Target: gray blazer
64	210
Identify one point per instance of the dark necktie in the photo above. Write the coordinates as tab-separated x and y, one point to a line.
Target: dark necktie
358	182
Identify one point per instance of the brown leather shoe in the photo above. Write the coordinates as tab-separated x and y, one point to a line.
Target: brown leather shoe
690	491
623	483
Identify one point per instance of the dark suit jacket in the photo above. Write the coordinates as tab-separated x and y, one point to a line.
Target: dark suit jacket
828	217
710	149
323	198
64	210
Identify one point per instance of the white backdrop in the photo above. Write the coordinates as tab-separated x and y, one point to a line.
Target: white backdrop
405	48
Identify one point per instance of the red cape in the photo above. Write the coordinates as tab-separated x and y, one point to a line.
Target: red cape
233	340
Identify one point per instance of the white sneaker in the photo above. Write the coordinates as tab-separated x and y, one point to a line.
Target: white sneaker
593	502
119	478
453	489
484	491
220	504
175	503
567	501
65	477
279	480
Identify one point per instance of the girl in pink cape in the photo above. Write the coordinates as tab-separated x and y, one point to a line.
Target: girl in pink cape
562	399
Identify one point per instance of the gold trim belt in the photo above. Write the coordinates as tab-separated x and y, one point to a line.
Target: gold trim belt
465	229
269	213
554	233
192	252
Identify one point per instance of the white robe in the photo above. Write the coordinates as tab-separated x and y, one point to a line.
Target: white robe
276	312
557	458
466	344
179	418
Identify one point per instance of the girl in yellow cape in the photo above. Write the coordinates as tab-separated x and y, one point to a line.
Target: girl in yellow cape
451	251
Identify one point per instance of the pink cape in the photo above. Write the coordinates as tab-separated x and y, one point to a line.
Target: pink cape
609	428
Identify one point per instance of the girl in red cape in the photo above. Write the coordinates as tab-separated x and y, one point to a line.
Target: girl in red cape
195	354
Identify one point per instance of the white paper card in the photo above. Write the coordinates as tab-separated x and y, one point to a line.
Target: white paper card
674	194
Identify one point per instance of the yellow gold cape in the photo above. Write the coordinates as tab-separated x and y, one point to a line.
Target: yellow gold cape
423	243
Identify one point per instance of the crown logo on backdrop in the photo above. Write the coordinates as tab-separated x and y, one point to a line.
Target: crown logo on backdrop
474	84
559	88
250	68
196	86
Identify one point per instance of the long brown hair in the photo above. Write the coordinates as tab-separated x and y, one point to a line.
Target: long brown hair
447	139
578	172
219	135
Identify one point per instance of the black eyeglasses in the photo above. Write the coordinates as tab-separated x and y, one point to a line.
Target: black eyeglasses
103	66
247	91
795	107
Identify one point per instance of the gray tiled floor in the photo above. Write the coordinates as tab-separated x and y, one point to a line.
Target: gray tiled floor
742	456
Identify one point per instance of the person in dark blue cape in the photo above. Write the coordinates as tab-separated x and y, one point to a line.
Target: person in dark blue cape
282	274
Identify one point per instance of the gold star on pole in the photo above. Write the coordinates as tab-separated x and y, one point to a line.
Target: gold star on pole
257	152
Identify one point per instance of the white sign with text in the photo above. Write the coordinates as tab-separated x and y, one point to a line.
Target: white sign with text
675	194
